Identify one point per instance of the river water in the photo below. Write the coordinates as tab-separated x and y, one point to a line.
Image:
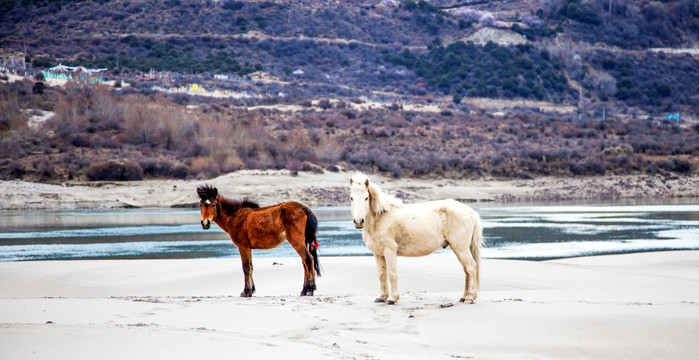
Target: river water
534	232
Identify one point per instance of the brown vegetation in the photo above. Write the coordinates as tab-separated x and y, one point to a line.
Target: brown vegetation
99	133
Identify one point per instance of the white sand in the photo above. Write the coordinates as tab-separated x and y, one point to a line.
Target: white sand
640	306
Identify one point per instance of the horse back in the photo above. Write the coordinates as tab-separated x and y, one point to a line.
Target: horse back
268	227
451	213
447	206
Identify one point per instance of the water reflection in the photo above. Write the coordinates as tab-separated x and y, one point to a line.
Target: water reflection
519	232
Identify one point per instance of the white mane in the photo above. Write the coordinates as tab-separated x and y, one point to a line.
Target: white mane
379	201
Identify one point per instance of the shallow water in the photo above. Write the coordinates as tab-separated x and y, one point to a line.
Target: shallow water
511	232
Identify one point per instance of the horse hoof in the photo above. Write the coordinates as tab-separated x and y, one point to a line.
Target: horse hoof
245	294
307	293
379	300
390	302
466	301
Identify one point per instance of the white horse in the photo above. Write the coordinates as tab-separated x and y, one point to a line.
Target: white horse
391	229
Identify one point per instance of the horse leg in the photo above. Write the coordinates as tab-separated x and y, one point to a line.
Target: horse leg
309	279
391	257
459	232
470	268
383	281
246	259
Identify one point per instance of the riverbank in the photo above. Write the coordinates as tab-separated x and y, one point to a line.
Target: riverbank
331	189
636	306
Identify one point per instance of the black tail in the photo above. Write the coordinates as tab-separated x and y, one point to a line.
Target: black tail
311	241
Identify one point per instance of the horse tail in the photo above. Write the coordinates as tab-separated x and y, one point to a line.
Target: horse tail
477	242
311	241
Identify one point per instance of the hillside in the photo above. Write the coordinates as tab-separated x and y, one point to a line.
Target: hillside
338	49
513	88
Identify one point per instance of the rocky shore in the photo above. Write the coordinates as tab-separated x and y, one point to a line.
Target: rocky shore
331	189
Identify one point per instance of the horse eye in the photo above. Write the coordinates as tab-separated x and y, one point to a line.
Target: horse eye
351	198
367	198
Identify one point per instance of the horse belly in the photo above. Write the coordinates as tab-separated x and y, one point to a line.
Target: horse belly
420	235
418	246
268	240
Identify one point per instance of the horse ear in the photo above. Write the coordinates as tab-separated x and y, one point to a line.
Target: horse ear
351	181
215	192
366	182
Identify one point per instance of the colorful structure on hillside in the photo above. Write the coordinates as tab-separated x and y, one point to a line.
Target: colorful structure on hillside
677	117
202	90
77	73
13	62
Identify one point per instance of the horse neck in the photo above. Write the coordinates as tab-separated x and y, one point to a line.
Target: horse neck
226	211
371	219
382	203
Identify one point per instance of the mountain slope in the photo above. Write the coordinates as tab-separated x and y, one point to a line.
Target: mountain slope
337	45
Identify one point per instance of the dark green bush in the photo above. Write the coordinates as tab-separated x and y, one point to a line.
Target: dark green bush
583	14
488	71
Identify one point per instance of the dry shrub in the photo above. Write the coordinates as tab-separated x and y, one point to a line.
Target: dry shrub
140	122
298	146
65	121
11	116
210	166
156	125
202	167
163	169
231	163
329	151
324	104
106	108
114	170
15	169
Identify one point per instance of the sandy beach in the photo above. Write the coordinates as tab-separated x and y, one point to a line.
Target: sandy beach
638	306
332	189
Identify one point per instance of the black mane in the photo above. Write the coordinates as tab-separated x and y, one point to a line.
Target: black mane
207	192
230	206
247	203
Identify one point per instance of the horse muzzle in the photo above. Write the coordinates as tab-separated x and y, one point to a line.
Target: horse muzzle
205	224
358	224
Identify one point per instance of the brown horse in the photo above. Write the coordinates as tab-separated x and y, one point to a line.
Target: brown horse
253	227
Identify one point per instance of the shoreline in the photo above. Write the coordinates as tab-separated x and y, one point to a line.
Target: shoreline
331	189
634	306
